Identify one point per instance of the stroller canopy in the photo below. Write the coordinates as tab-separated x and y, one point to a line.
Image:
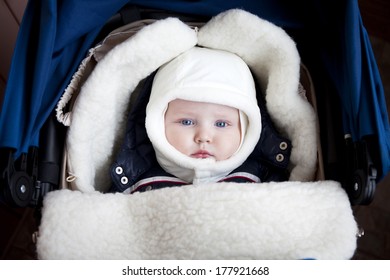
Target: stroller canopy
55	36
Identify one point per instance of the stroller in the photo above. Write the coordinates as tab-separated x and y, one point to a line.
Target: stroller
65	211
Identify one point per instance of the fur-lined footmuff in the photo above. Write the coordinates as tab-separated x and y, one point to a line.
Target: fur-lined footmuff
288	220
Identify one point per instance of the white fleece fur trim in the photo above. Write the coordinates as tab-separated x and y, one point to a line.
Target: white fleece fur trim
99	112
287	220
272	56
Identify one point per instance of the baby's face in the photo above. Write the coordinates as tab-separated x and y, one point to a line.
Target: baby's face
203	130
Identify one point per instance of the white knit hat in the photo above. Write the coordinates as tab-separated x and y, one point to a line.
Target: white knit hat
203	75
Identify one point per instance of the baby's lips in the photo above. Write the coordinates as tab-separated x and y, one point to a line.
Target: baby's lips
201	154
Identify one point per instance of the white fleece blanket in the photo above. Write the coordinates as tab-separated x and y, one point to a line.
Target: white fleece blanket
217	221
290	220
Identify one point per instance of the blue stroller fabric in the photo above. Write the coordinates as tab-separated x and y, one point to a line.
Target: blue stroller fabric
55	36
53	39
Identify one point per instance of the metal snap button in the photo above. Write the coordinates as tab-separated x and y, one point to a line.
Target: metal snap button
360	232
124	180
279	157
283	146
118	170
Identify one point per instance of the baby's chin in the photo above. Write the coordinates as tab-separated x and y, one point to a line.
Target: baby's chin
202	160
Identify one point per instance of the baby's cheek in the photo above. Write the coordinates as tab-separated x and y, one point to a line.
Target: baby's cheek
179	141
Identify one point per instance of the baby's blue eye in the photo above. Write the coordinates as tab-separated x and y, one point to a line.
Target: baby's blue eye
221	124
187	122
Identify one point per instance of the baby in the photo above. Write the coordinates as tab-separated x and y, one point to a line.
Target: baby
203	122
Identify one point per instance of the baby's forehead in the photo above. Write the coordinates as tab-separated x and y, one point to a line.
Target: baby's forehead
180	105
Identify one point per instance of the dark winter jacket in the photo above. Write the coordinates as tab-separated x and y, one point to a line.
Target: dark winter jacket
136	169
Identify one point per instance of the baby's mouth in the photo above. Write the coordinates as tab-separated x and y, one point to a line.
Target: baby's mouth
201	154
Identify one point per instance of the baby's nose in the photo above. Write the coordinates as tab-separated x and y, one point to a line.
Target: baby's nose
203	135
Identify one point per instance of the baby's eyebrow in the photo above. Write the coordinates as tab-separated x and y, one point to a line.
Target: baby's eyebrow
185	111
220	115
